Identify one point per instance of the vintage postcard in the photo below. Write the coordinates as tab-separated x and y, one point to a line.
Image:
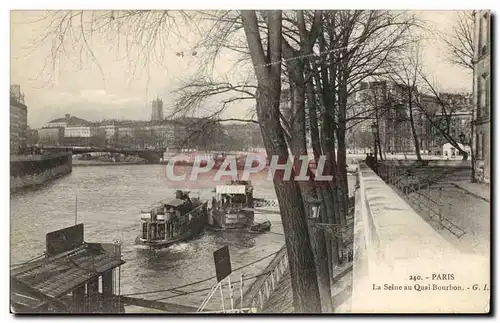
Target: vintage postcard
250	161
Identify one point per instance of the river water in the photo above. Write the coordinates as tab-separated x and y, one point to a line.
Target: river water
109	202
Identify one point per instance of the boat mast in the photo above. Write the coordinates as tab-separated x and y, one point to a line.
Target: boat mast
76	208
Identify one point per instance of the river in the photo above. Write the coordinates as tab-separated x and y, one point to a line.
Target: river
109	202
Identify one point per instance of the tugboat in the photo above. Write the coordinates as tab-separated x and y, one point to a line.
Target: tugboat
172	221
233	208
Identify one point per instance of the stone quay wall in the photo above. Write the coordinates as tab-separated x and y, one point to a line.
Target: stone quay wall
28	171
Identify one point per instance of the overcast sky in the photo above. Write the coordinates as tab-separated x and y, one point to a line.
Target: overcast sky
111	89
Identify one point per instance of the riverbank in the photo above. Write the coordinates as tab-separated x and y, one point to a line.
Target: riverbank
26	171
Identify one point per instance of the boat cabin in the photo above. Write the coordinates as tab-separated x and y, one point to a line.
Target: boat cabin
232	206
166	221
235	195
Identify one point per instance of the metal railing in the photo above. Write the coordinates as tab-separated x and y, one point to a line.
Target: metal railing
418	190
263	203
262	288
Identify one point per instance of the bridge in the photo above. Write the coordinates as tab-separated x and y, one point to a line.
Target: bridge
152	156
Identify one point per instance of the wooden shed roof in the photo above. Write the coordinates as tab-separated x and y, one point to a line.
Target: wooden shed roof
55	276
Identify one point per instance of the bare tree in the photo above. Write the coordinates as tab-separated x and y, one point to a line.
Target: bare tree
448	111
406	75
295	121
267	66
355	45
374	105
460	42
297	42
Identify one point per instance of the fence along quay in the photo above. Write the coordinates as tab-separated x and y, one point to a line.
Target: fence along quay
397	253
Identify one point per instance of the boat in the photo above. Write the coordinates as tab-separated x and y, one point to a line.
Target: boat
232	206
261	227
172	221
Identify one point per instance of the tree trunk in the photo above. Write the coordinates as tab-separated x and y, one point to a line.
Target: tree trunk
299	148
341	149
319	247
322	252
377	123
300	257
330	192
324	190
413	130
313	120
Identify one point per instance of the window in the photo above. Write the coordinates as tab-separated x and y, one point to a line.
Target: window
478	144
483	39
483	140
161	231
487	96
144	230
486	34
480	38
481	102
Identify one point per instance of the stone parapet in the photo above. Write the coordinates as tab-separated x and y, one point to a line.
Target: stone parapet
37	170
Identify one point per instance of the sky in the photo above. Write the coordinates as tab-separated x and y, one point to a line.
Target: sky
111	89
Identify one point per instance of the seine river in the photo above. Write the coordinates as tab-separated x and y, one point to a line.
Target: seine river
109	202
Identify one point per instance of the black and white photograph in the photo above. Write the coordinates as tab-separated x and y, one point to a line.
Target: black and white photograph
245	162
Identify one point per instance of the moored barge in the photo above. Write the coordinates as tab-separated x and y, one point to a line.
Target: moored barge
233	208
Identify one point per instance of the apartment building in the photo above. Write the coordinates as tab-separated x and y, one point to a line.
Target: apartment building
482	94
18	120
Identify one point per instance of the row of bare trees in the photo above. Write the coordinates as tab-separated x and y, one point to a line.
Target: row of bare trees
420	95
409	106
318	56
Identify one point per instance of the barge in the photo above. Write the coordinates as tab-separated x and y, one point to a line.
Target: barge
233	208
173	221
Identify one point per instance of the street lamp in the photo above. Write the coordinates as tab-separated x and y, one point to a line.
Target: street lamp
462	140
315	206
462	137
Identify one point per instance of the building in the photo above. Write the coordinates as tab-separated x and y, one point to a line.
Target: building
157	110
78	131
51	136
455	119
110	134
126	136
450	152
81	131
481	94
32	137
386	104
381	103
67	121
18	120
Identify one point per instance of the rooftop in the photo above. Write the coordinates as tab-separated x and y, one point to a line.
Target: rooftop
71	121
56	276
68	263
